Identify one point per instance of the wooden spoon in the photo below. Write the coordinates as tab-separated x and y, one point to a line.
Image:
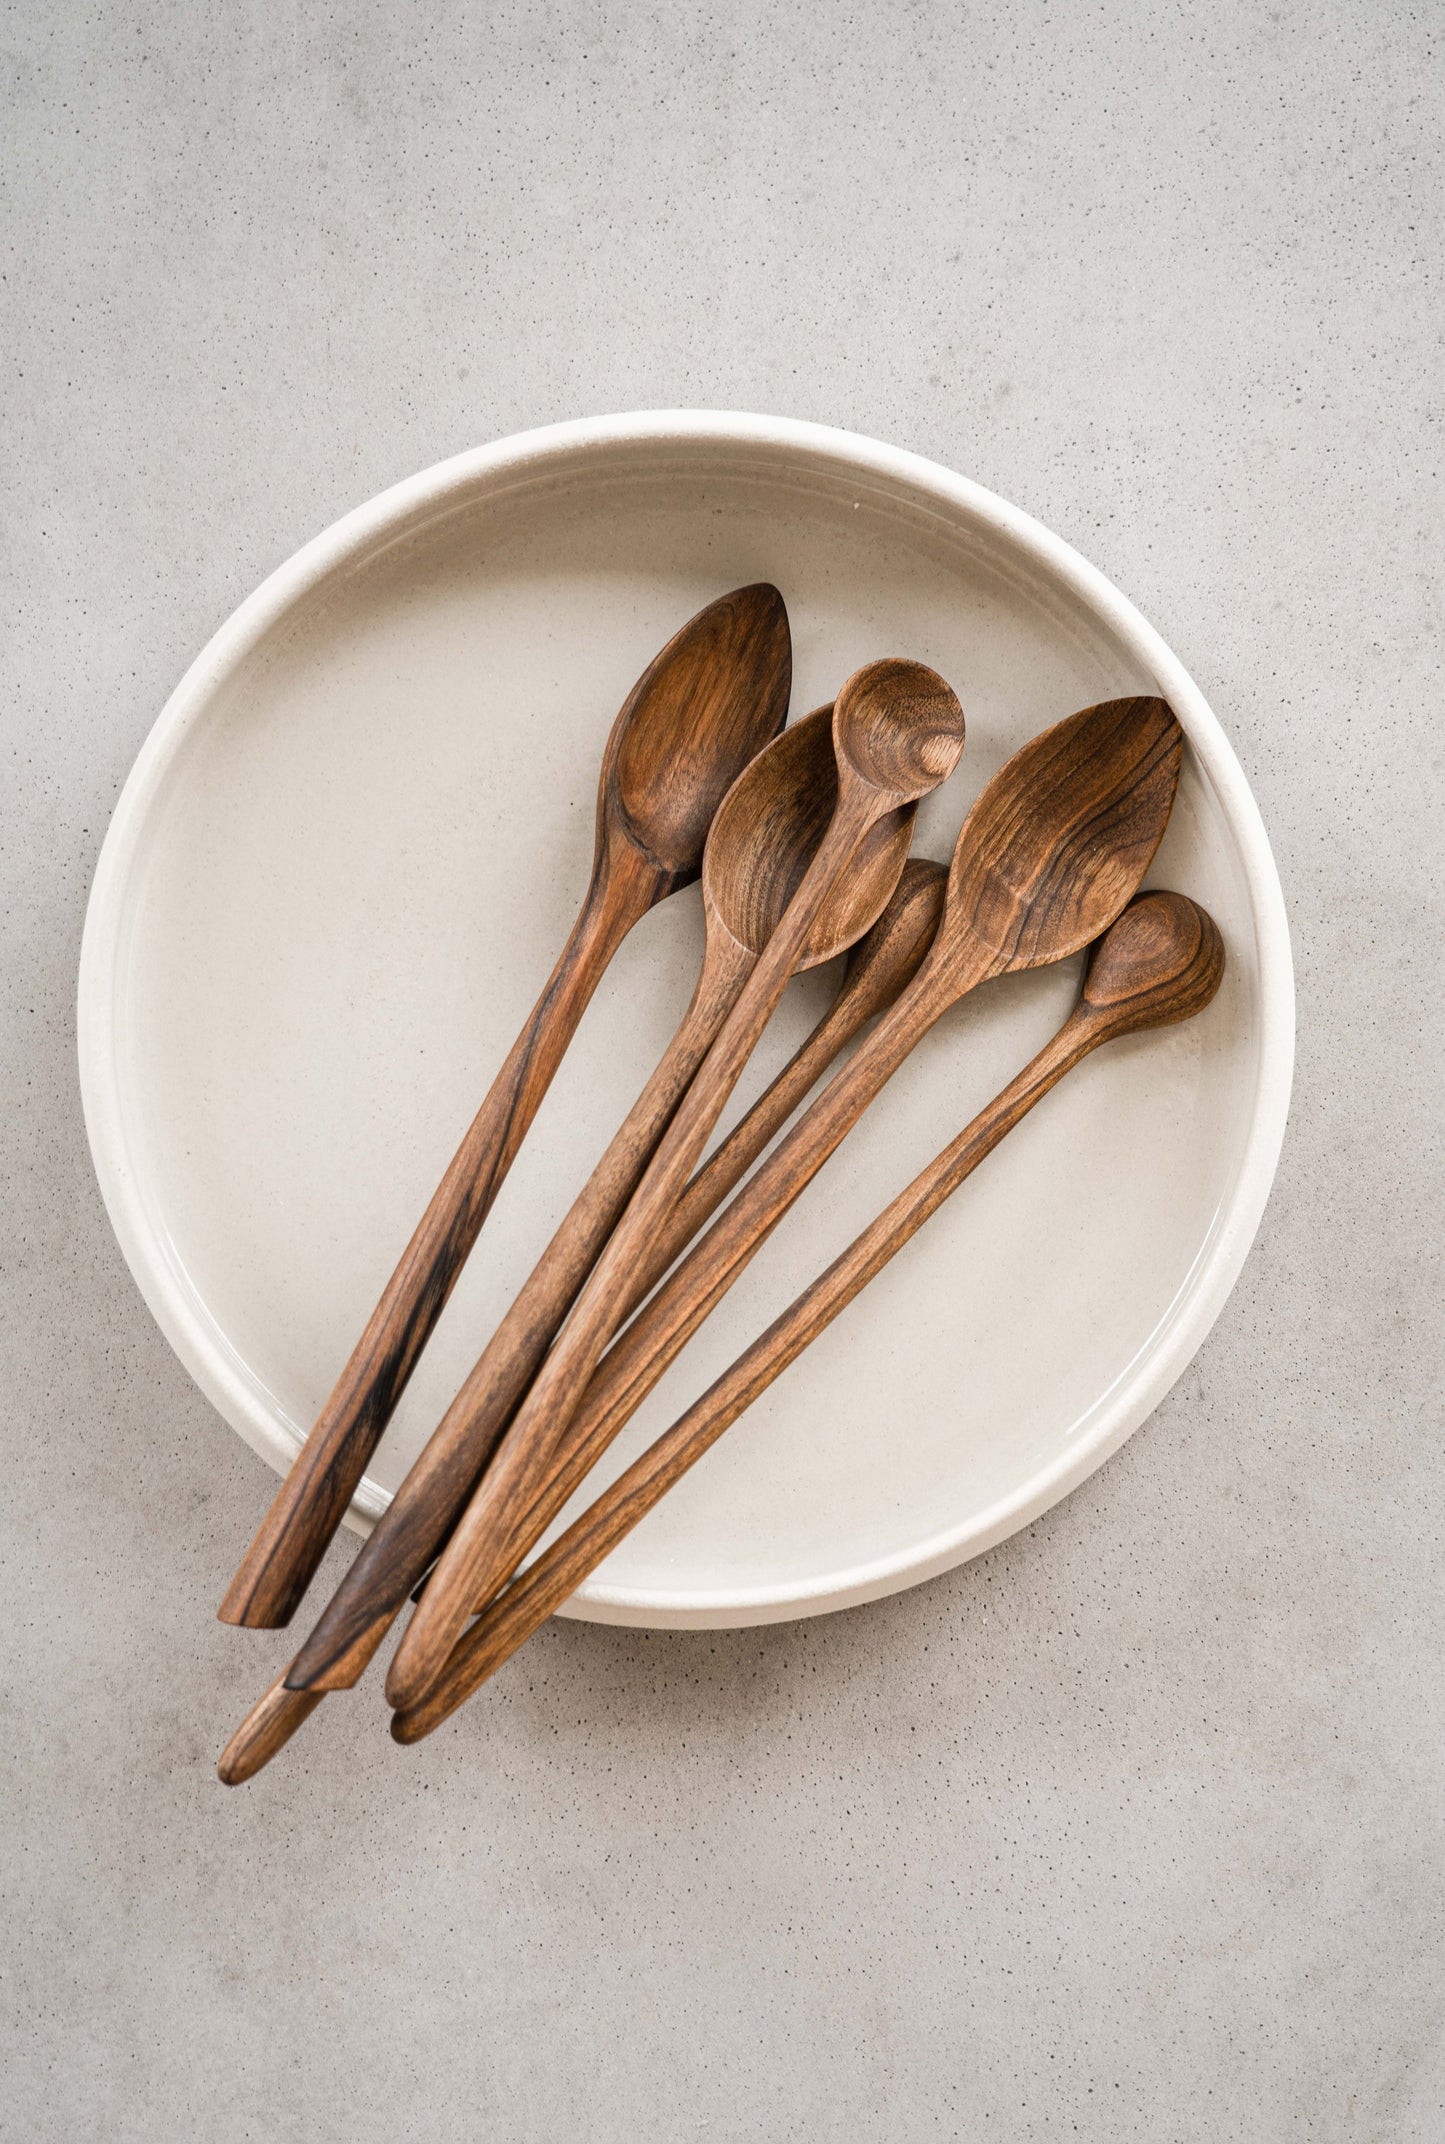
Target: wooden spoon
879	967
696	716
898	732
1050	853
1161	963
766	831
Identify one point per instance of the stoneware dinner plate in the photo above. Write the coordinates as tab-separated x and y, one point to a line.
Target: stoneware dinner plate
352	846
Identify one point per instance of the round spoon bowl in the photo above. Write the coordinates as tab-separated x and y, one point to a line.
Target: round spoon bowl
1163	961
899	724
277	965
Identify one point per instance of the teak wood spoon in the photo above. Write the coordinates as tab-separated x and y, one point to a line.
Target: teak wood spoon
699	712
765	834
879	966
1053	848
1161	963
897	732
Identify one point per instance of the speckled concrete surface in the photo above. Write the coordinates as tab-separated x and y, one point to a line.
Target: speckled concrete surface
1133	1829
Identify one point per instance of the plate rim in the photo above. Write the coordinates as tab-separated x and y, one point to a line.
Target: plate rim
153	1259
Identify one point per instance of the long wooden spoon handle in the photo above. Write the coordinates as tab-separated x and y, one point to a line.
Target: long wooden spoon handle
267	1727
511	1618
520	1465
308	1508
408	1534
272	1722
879	970
507	1525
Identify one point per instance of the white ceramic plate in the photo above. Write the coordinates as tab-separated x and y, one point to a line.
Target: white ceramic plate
348	854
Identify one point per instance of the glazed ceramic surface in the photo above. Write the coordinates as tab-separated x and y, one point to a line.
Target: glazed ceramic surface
352	847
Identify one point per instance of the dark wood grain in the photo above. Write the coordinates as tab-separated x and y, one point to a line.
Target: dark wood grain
1160	963
764	835
878	968
700	711
897	731
1053	849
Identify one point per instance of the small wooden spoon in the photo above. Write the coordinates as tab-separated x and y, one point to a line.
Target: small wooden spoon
898	732
766	831
696	716
879	967
1052	850
1161	963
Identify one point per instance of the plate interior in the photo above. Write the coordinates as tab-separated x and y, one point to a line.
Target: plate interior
361	867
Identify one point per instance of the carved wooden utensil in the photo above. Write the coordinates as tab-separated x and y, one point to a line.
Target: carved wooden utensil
702	708
1054	847
1160	963
898	732
879	967
767	830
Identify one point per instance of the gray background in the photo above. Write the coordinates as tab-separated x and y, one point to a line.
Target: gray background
1132	1829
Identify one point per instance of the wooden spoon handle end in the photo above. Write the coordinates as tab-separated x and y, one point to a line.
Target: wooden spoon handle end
266	1728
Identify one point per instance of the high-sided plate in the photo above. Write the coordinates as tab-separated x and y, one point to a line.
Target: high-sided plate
349	851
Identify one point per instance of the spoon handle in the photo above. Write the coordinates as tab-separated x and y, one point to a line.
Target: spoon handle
405	1538
510	1618
511	1525
520	1466
267	1727
312	1500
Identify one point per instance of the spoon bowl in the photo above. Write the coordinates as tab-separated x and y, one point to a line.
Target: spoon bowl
1161	963
695	718
899	727
1058	840
768	829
